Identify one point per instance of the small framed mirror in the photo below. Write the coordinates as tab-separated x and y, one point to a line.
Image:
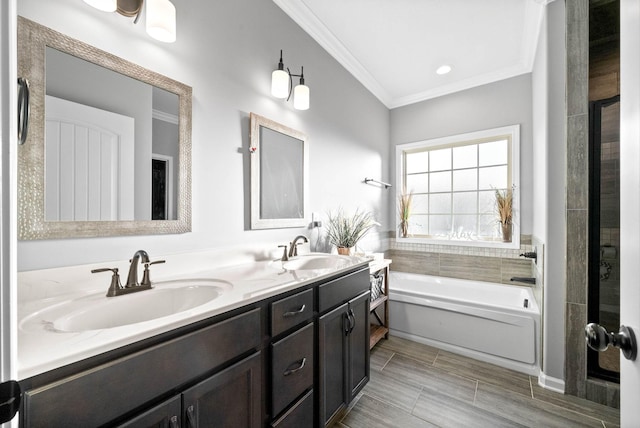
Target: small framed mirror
279	175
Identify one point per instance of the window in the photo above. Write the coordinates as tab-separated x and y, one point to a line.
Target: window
453	182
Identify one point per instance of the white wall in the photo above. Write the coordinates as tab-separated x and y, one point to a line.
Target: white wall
502	103
226	50
549	196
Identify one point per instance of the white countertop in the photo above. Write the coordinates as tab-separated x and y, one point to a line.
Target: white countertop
41	349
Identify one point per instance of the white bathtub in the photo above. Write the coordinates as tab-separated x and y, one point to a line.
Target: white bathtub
478	319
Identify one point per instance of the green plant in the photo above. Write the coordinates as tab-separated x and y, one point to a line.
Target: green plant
345	231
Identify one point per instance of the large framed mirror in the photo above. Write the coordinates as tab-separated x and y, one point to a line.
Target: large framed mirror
279	175
108	149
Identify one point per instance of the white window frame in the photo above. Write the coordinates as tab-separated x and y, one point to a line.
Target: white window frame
511	131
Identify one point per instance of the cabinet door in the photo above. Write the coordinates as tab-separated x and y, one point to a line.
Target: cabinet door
358	344
166	415
332	352
231	398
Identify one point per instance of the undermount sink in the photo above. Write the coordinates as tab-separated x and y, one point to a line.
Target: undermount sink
316	261
99	312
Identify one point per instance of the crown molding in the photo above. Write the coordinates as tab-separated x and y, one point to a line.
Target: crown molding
309	22
300	13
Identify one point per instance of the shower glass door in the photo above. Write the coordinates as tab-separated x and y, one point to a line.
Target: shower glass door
604	231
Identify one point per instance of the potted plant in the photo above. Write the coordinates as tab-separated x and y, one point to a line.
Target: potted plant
404	211
345	231
504	209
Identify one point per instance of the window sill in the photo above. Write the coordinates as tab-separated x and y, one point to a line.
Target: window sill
514	244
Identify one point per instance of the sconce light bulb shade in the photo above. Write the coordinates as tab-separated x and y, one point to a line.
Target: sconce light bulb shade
103	5
301	97
161	20
280	84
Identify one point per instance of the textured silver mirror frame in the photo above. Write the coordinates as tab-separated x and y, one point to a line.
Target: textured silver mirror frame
33	38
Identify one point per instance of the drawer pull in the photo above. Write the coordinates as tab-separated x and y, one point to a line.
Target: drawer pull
297	369
294	313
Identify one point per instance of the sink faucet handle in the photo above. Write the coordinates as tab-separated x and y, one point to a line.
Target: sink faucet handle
115	280
146	278
285	255
295	248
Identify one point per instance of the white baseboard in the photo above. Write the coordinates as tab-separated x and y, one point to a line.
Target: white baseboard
551	383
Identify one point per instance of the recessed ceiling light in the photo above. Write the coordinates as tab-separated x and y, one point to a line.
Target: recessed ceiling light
443	69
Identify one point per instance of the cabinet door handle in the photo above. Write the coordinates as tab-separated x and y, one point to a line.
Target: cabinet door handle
301	364
346	323
352	320
191	417
173	422
294	313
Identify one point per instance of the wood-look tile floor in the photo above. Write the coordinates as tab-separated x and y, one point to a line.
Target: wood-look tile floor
414	385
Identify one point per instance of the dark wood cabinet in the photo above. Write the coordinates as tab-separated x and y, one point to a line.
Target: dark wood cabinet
292	368
300	415
231	398
293	360
291	311
358	338
343	348
102	394
332	362
165	415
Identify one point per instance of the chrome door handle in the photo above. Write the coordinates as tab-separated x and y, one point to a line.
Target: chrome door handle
599	340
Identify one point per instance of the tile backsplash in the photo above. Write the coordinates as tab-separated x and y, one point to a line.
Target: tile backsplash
481	264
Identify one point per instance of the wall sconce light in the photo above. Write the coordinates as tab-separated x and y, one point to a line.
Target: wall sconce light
160	18
282	86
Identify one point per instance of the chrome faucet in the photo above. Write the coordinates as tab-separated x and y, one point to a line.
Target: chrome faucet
293	246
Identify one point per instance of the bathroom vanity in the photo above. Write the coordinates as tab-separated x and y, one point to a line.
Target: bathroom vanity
280	348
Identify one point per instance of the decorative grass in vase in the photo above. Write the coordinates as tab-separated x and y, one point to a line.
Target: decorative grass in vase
404	211
345	231
504	209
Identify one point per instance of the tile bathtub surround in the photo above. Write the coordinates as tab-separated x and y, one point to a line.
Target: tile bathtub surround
415	385
525	246
482	264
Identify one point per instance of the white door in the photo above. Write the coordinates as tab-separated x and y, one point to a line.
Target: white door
630	203
89	163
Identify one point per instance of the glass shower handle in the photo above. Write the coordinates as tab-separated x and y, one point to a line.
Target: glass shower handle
599	339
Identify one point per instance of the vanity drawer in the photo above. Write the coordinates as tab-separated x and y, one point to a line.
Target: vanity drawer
341	290
300	415
292	368
291	311
98	396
